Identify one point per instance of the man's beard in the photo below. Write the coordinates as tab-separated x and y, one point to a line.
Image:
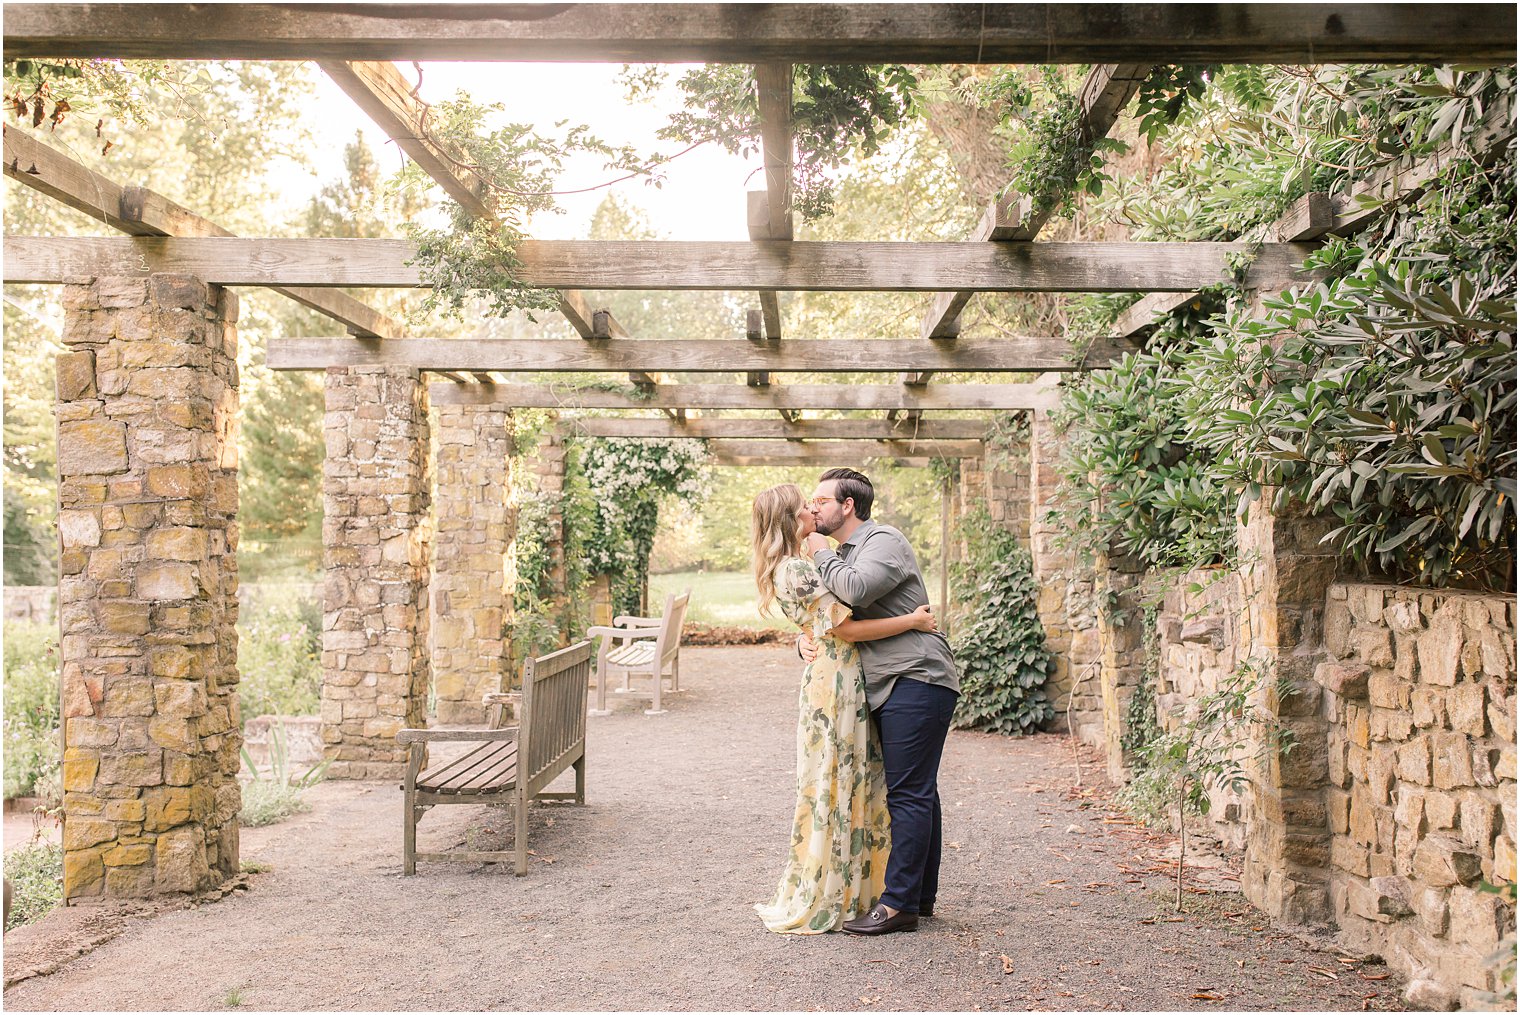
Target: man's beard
822	527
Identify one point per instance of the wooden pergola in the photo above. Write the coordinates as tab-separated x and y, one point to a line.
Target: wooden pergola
352	43
148	647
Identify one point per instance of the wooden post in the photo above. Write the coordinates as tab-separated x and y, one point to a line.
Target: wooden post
944	556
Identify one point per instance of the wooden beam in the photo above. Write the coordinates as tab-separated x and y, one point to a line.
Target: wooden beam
679	265
141	212
758	213
380	90
799	33
695	355
753	332
774	84
802	457
846	451
873	397
1105	92
384	95
769	428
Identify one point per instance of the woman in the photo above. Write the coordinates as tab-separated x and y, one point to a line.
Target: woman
840	832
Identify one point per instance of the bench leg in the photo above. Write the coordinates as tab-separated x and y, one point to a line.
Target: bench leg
409	812
520	831
580	779
658	681
601	682
675	674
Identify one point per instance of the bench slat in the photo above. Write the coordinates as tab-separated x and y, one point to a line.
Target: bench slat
632	655
498	775
482	761
441	773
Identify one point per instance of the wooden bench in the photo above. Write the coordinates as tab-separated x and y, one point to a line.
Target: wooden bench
509	763
642	647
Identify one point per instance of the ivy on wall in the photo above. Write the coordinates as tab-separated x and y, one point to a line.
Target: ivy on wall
1000	642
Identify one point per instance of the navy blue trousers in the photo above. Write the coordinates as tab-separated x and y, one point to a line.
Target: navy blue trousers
913	723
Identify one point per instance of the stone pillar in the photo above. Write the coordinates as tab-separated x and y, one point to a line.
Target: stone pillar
1066	600
547	479
1121	639
1285	578
376	532
471	605
147	596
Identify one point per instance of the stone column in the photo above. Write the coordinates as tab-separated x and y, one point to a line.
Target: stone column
1285	578
147	595
1066	602
471	605
376	532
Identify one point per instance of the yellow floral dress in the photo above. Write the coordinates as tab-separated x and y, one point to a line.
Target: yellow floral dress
840	832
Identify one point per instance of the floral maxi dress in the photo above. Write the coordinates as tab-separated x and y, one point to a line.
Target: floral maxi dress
840	832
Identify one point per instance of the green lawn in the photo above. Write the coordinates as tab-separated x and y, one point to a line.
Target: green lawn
728	597
717	597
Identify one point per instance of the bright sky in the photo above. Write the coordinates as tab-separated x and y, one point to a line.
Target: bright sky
703	193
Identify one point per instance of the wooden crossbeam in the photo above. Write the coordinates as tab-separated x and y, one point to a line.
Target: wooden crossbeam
769	428
1106	90
694	355
753	331
138	211
380	90
846	451
678	265
817	459
801	33
792	397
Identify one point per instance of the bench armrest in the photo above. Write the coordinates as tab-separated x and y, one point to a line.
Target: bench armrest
624	633
511	701
631	621
411	736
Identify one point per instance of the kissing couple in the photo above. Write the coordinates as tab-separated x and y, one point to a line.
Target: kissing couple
878	692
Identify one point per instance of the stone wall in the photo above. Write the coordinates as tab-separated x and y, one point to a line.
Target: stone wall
30	603
1420	697
1067	603
1197	632
1121	642
1000	483
1399	796
472	605
376	532
147	406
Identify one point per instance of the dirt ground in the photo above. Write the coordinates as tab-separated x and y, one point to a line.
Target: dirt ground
641	900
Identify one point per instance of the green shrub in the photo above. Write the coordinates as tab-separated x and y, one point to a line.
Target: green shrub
1000	647
31	709
35	872
271	799
280	658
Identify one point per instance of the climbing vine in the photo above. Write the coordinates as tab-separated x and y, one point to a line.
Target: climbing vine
1000	647
630	479
1383	396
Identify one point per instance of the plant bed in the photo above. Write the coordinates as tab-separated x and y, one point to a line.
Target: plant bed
722	634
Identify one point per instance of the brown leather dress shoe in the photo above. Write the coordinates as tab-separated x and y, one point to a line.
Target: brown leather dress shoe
877	921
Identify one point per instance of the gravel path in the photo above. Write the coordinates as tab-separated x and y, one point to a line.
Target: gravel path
641	900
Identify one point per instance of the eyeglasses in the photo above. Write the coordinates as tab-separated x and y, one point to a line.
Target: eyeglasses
821	501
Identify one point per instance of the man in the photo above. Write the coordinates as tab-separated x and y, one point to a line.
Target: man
911	687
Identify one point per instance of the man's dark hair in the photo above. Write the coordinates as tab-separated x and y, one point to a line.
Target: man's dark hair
854	486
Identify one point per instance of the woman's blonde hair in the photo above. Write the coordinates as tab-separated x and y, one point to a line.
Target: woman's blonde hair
774	536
